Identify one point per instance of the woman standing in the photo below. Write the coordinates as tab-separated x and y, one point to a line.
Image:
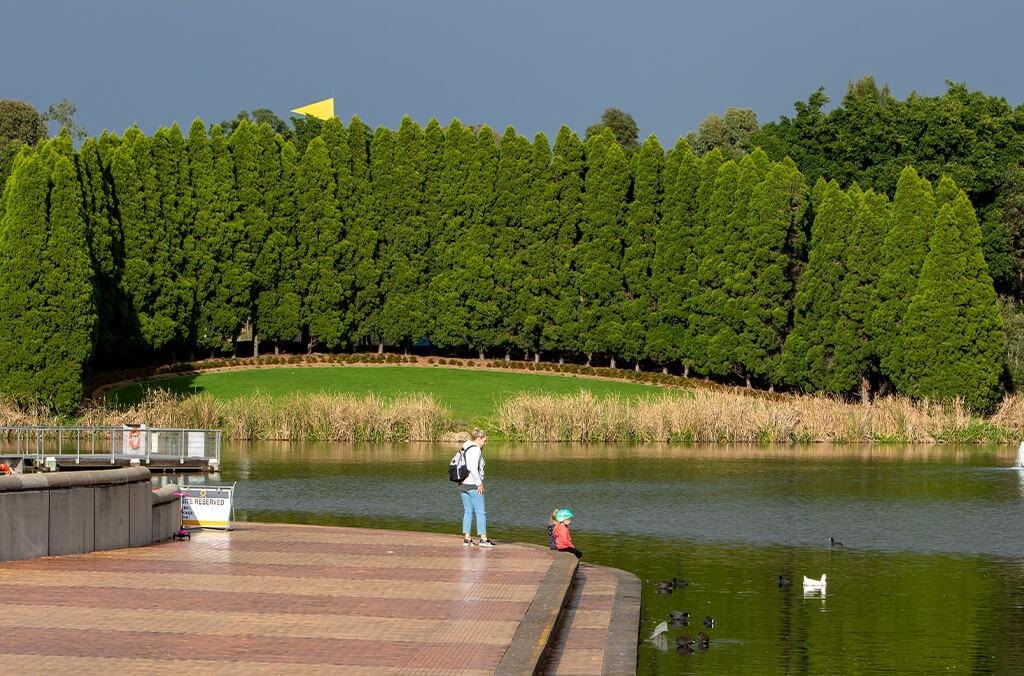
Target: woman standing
472	490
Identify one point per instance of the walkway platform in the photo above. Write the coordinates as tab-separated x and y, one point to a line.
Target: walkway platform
277	598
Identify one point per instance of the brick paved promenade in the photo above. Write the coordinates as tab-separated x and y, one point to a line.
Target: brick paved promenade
278	598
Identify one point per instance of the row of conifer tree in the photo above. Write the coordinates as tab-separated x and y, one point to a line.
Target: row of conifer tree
134	249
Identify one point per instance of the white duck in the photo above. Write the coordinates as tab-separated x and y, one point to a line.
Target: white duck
811	584
659	630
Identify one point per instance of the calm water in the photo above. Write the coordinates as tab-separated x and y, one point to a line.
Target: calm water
931	577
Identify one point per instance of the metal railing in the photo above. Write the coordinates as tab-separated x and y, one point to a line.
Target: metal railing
127	441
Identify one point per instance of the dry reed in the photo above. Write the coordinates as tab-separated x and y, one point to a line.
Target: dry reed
297	416
701	416
710	416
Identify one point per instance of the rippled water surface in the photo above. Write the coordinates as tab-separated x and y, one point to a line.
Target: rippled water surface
929	579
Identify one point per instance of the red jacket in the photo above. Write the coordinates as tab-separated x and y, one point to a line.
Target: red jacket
562	539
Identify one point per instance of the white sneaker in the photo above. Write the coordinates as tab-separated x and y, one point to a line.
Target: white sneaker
486	543
468	542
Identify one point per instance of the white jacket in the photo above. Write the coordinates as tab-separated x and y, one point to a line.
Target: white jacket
475	463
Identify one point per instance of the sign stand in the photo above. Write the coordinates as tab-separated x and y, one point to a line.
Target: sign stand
207	506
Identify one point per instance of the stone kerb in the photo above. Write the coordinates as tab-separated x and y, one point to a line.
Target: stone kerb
79	512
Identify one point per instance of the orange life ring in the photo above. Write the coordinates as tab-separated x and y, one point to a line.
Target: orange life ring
135	439
6	469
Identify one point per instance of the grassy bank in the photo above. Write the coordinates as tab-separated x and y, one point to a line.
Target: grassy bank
471	396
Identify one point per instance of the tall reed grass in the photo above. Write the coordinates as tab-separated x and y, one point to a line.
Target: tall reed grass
712	416
701	416
321	416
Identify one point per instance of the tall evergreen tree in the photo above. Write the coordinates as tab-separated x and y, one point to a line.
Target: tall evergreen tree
340	250
321	284
222	283
858	295
482	311
951	340
737	277
820	353
773	246
146	259
911	216
545	252
598	254
433	189
638	253
23	302
673	277
381	210
712	310
46	285
270	308
513	183
275	283
106	249
176	300
405	241
69	288
568	169
450	279
362	234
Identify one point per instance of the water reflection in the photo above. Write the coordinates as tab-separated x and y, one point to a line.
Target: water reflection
931	578
995	455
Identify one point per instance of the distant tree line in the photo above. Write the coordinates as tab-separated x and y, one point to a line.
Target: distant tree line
136	249
870	136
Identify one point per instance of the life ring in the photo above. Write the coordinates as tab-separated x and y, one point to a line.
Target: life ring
135	439
6	469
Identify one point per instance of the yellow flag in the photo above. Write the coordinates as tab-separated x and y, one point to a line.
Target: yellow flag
321	109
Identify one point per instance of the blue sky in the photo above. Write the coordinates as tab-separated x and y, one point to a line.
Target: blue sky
534	65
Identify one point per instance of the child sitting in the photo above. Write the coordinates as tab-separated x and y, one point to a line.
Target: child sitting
551	531
560	531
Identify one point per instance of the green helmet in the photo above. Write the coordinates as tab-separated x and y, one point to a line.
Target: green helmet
563	514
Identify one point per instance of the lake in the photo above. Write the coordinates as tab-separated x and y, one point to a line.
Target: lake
930	577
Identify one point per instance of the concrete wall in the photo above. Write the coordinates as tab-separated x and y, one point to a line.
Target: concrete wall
77	512
166	513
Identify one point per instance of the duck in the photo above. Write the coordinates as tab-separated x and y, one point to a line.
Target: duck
684	643
709	622
703	639
811	584
832	542
784	581
679	619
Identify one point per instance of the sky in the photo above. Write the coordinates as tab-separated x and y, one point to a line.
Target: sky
532	65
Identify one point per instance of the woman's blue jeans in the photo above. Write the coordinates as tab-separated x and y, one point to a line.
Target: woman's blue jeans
473	502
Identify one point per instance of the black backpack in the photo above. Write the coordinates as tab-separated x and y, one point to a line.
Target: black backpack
457	468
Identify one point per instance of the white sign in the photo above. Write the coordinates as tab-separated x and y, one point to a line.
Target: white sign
207	506
133	439
197	444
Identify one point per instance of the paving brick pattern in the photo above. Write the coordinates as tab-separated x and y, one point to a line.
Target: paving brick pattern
276	598
579	644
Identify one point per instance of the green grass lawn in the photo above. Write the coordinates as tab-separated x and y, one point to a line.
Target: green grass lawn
471	395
